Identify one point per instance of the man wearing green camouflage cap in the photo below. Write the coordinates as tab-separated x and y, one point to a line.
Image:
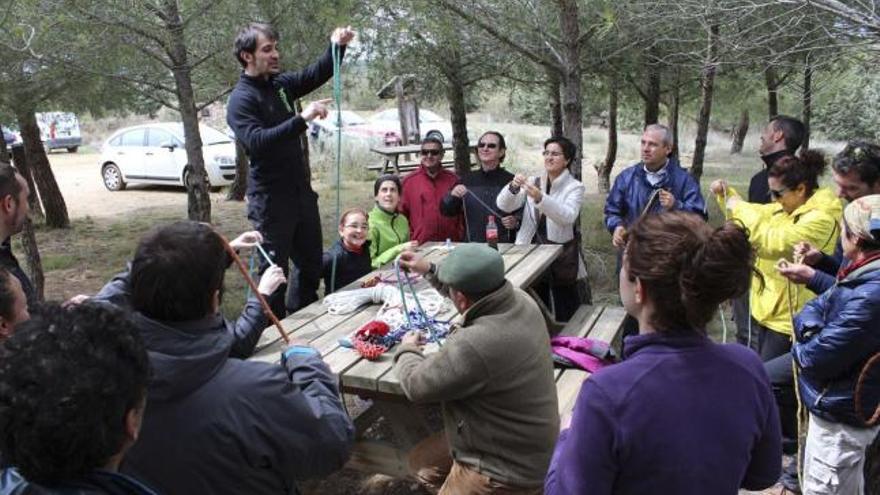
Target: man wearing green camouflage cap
493	377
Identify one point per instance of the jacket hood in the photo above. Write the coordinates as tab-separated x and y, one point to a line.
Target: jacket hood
823	199
183	356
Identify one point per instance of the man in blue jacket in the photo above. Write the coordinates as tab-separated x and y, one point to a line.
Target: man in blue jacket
655	184
217	423
281	202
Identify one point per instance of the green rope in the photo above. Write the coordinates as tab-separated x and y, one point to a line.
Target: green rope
337	99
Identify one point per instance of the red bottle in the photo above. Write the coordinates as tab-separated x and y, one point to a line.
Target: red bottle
492	233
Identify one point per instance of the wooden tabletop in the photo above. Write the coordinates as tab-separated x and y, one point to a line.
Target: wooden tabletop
523	265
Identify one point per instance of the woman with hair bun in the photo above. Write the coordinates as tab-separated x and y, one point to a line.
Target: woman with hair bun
680	414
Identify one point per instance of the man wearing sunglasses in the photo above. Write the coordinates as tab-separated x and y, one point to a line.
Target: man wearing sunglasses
473	198
423	190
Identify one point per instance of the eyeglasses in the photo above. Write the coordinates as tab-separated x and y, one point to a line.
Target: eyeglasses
357	226
778	194
431	152
491	146
553	154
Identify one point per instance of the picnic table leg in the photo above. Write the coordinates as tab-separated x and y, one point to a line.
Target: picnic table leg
396	166
407	422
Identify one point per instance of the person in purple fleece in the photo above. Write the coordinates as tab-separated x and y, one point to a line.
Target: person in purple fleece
680	414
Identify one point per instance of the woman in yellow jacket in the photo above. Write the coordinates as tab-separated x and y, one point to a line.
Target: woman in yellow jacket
802	211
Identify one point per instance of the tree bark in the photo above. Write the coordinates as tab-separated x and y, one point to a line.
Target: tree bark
652	101
33	259
5	157
674	108
36	160
239	186
553	92
21	164
198	199
707	86
458	116
572	109
604	171
772	81
739	133
808	101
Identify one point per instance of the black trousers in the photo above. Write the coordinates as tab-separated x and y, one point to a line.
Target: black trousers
775	350
293	236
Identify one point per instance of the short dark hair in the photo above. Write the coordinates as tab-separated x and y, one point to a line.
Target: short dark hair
569	150
68	377
805	169
387	178
246	40
9	184
176	270
862	157
687	267
432	139
7	298
792	129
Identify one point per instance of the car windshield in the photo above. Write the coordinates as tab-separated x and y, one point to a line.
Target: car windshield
209	135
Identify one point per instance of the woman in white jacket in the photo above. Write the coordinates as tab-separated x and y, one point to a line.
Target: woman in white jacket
552	205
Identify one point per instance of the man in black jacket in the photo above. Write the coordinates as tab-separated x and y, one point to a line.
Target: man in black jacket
281	202
217	423
475	194
14	210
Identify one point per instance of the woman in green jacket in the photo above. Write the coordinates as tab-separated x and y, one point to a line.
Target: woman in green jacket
389	229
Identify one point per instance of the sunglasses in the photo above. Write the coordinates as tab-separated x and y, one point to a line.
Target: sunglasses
431	152
491	146
778	194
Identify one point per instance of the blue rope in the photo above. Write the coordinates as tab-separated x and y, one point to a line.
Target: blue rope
337	98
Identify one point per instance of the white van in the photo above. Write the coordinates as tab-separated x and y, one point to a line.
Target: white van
59	130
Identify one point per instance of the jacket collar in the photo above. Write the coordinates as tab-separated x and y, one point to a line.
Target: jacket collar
557	184
672	166
860	271
489	304
648	342
774	157
258	82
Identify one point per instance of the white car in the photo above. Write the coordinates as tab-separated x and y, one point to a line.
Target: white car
155	154
430	124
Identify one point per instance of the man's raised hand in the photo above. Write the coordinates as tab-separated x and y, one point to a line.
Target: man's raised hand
343	35
317	109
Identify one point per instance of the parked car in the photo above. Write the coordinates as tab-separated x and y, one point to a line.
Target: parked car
430	124
59	130
155	154
323	131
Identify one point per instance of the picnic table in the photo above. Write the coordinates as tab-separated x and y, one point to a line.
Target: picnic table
390	157
378	381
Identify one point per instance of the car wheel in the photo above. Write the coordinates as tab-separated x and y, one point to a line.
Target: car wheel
436	135
72	149
188	171
112	176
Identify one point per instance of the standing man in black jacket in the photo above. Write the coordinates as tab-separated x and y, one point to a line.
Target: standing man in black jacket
281	202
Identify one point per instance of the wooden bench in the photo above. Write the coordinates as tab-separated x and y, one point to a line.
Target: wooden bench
603	323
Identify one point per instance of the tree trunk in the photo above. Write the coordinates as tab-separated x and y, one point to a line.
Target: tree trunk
458	116
21	164
553	91
5	157
32	258
739	133
707	86
604	171
198	199
808	101
239	186
652	102
572	109
38	163
772	81
674	108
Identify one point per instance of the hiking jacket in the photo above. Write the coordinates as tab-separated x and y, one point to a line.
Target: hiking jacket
679	415
350	266
773	234
388	234
495	383
561	205
420	204
485	186
631	192
97	482
218	424
10	263
836	333
260	113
